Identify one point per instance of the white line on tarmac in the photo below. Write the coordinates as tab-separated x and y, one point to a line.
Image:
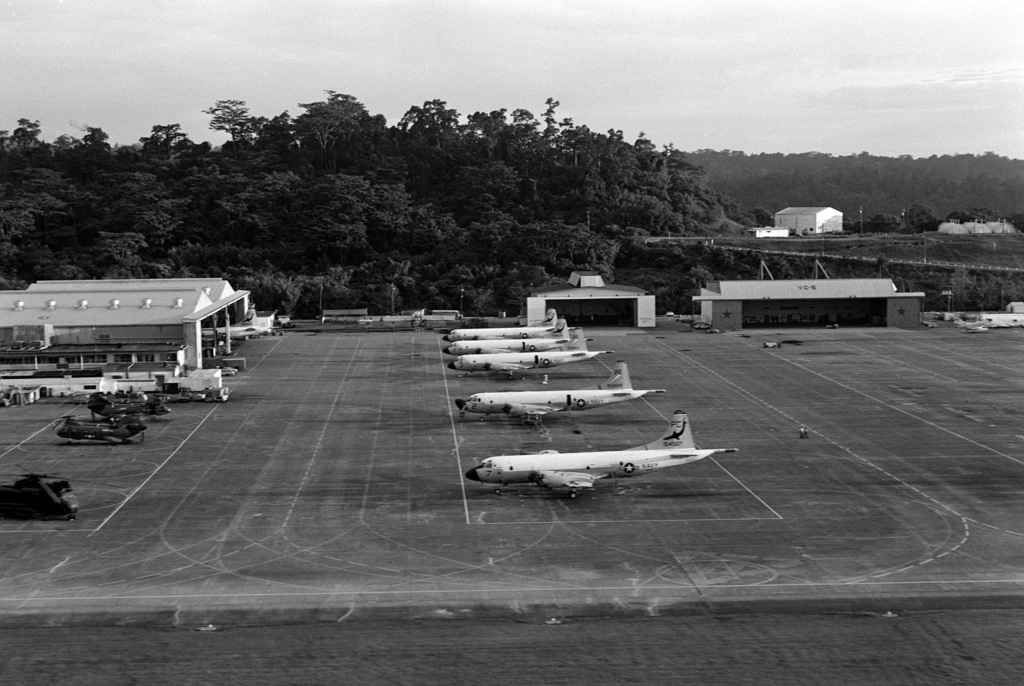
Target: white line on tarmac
455	433
29	438
155	471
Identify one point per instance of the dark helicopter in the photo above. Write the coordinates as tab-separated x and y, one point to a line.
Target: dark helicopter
38	496
105	405
112	429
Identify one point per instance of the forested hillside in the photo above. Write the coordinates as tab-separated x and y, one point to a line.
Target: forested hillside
335	207
966	187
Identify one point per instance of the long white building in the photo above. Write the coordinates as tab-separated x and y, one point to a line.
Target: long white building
79	324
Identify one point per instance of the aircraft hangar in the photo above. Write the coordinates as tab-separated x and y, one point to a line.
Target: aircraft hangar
733	305
588	301
85	323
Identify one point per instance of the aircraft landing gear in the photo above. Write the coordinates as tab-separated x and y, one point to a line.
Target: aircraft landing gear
498	491
572	494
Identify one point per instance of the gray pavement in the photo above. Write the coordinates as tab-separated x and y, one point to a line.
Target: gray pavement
330	486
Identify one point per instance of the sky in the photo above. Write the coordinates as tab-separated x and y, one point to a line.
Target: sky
895	77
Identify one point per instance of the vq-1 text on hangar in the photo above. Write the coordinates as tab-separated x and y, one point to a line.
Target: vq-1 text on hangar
733	305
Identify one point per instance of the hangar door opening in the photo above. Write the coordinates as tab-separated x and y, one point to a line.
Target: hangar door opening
596	312
857	312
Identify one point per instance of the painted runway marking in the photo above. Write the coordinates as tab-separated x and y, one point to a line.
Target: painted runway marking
58	565
320	439
455	433
155	471
851	452
30	437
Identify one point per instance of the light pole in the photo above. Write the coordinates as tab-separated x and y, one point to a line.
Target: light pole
462	294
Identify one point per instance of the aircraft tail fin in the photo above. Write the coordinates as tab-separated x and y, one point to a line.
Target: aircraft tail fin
619	380
550	317
576	339
679	435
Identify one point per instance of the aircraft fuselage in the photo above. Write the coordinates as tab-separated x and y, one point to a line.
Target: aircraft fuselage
525	402
505	345
500	333
511	469
509	362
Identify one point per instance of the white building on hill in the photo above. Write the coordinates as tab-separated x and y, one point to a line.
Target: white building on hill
810	220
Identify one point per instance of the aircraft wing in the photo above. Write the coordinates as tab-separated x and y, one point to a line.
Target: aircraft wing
517	409
504	366
559	479
694	455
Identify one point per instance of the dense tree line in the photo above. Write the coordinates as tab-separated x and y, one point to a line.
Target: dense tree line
335	207
890	194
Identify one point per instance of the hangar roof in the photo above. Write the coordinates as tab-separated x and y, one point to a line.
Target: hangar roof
802	289
805	210
607	291
114	302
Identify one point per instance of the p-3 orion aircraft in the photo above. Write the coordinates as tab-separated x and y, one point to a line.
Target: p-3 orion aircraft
533	404
512	345
515	362
551	326
576	471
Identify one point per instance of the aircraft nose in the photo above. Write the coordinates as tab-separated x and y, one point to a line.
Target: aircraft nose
451	365
460	403
472	475
445	338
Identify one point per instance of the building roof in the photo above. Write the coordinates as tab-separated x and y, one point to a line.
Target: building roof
606	291
804	210
114	302
802	289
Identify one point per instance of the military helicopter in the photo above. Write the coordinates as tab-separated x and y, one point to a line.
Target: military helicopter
105	405
38	496
114	430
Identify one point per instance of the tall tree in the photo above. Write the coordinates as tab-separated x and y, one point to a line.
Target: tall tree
232	117
167	140
329	121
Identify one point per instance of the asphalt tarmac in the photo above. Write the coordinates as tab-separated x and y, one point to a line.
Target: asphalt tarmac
330	488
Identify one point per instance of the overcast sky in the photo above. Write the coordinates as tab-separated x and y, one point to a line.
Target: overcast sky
839	76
